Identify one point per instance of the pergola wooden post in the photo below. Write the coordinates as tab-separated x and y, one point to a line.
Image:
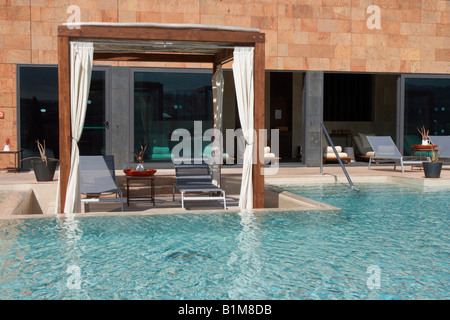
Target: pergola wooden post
222	38
65	134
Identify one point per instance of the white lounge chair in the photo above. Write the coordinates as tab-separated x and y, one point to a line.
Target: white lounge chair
96	178
443	143
386	151
363	149
196	178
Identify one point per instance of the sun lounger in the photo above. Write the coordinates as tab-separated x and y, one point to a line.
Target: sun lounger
363	149
96	180
443	143
196	178
386	151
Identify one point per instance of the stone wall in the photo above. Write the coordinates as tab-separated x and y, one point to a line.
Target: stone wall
324	35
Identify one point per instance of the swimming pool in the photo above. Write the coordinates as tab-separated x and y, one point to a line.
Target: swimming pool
388	242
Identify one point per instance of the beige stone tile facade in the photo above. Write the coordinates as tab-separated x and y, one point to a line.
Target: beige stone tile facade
328	35
311	29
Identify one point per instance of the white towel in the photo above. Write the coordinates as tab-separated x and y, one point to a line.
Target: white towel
333	156
330	149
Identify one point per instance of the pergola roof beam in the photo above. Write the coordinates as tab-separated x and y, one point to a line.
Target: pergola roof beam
143	33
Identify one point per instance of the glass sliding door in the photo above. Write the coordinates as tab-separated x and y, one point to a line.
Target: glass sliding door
96	125
167	100
37	112
426	103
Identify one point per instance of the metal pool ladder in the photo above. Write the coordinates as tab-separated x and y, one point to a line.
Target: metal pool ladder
337	156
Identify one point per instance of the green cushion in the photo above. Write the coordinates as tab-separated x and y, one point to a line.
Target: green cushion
161	153
166	156
160	150
421	153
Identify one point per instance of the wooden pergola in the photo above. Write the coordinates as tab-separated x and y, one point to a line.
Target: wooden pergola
162	43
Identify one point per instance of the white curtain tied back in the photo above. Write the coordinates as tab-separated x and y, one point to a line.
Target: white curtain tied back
81	56
243	79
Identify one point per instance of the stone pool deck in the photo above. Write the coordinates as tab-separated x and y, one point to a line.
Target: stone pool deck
25	197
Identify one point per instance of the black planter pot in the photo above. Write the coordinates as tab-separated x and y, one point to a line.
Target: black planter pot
44	172
432	169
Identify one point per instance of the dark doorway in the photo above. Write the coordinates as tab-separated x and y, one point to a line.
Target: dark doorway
281	110
348	97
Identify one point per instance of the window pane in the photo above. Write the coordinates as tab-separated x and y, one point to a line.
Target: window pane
38	111
427	103
92	140
38	90
165	101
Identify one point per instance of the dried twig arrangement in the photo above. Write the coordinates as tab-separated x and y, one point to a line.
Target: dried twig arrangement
42	151
140	156
43	157
423	132
434	155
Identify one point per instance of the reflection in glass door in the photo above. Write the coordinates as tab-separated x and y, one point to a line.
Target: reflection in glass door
426	103
95	137
37	112
168	100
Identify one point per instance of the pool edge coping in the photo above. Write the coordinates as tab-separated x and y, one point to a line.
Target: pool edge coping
306	203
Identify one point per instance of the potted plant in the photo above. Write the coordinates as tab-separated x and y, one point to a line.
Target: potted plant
44	168
424	133
432	168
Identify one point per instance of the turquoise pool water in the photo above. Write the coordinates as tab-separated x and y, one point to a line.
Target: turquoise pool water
388	242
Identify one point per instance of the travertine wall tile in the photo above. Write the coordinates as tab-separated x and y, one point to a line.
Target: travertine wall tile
428	54
410	54
107	5
300	34
42	43
340	38
342	51
340	64
318	64
441	55
443	30
357	65
127	16
319	38
17	56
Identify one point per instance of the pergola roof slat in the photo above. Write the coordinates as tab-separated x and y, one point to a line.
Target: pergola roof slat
156	57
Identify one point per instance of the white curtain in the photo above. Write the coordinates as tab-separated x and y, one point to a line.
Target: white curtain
217	90
81	56
243	80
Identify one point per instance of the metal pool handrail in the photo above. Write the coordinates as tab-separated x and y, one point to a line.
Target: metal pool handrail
336	153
